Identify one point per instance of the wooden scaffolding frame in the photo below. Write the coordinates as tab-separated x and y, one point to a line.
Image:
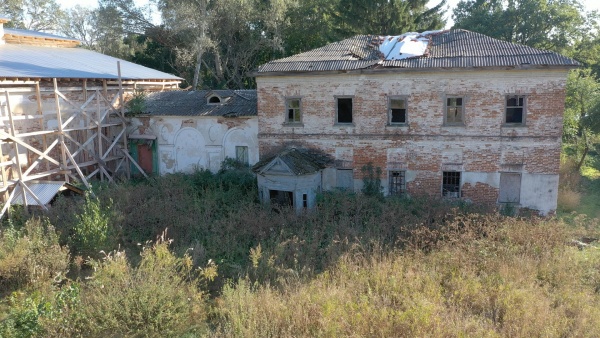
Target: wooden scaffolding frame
102	140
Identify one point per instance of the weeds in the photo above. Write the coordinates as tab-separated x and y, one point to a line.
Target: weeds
355	266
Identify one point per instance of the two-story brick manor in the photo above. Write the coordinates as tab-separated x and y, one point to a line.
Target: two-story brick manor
446	113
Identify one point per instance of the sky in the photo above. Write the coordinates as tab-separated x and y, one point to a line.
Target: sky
589	5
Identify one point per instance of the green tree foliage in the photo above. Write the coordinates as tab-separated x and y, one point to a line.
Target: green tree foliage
80	23
546	24
385	17
39	15
218	43
582	113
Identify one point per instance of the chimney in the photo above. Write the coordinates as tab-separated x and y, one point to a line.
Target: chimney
3	20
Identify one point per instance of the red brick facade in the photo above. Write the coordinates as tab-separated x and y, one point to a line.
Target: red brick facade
425	146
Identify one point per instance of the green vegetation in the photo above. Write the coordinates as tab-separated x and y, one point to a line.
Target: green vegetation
227	266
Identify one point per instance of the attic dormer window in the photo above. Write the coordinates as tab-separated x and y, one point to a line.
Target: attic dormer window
214	99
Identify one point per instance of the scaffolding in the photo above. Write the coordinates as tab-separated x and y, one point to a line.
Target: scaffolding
71	142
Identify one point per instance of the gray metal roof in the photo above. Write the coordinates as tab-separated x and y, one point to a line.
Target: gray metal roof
43	190
447	49
34	34
195	103
27	61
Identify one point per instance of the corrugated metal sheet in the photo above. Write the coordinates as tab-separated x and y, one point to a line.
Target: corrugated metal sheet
45	192
27	61
34	34
448	49
194	103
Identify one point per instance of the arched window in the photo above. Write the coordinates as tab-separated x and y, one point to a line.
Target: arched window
214	99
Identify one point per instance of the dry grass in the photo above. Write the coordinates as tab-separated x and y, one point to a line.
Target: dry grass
521	280
568	200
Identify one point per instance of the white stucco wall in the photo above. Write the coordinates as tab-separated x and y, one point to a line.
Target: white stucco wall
186	143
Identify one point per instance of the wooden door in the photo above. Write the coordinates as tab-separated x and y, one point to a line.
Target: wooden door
144	153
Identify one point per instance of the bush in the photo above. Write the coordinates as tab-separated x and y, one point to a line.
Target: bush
31	256
94	229
158	298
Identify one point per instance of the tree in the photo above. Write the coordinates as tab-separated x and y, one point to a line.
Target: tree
547	24
582	113
385	17
81	23
38	15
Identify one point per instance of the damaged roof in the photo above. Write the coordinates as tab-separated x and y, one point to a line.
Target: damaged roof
299	162
232	103
457	48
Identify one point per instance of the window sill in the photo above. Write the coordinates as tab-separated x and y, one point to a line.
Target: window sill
397	125
293	124
337	124
454	125
513	125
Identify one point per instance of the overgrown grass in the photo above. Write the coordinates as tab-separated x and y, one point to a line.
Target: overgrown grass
355	266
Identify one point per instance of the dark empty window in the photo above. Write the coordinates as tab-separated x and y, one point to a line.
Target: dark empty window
454	110
294	114
214	99
397	111
515	109
397	183
451	184
304	200
344	110
281	198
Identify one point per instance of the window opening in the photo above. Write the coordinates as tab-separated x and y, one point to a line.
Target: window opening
397	111
281	198
515	109
344	110
214	99
241	154
397	182
304	200
451	184
294	113
454	110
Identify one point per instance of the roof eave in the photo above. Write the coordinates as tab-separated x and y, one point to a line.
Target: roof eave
383	70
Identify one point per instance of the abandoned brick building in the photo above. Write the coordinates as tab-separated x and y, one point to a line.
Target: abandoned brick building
445	113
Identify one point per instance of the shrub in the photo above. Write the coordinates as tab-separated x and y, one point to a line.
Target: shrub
94	229
40	314
159	297
372	181
31	256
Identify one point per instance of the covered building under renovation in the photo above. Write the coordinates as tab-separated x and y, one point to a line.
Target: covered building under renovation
62	117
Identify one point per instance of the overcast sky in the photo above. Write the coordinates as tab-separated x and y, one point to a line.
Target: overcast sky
589	5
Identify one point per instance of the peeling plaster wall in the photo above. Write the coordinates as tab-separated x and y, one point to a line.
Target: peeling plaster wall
186	143
481	148
298	185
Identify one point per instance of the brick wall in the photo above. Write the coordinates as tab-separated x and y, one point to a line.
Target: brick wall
484	144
